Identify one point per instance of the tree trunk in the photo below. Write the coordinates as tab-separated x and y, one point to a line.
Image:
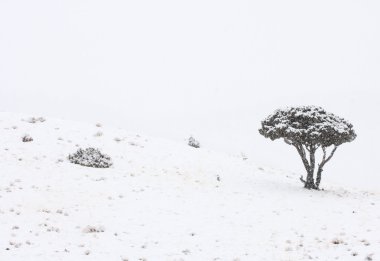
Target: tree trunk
309	184
309	166
319	176
310	179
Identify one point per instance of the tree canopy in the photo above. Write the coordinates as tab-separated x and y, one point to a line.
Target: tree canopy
308	125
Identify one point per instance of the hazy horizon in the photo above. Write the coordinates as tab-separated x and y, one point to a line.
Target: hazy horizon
212	69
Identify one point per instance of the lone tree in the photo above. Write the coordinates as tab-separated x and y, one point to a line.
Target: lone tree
309	128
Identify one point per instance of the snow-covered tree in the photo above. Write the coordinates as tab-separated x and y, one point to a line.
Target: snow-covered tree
309	128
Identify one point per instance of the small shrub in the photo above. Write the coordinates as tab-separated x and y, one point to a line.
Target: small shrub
93	229
193	143
90	157
27	138
98	134
337	241
35	119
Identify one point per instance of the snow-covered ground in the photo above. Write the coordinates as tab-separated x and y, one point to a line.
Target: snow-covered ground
164	200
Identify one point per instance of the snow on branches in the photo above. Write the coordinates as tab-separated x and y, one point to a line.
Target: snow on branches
308	125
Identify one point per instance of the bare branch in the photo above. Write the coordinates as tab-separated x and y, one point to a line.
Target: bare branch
322	164
331	154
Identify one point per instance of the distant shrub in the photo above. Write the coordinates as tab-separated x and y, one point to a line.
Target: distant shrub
27	138
93	229
35	119
90	157
193	143
98	134
117	139
337	241
132	143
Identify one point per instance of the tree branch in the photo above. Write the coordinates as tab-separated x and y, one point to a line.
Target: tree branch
324	154
322	164
331	154
302	153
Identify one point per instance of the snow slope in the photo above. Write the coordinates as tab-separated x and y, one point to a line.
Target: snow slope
164	200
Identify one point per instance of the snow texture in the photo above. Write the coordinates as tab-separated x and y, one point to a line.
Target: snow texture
163	200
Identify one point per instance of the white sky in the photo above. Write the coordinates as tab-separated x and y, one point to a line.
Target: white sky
213	69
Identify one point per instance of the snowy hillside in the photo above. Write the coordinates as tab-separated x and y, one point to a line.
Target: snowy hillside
164	200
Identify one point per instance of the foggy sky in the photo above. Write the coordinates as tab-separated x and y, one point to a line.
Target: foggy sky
212	69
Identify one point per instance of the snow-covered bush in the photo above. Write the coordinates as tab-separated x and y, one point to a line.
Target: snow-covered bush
27	138
309	128
35	119
193	143
90	157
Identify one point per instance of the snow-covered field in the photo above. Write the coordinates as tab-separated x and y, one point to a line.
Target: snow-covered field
164	200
